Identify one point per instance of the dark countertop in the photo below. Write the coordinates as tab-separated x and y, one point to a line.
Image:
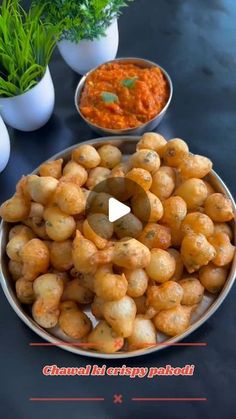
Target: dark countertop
195	42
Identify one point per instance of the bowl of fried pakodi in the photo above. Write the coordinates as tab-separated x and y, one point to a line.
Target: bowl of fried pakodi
128	287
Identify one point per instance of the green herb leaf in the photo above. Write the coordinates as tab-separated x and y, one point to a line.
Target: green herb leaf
150	234
108	97
130	83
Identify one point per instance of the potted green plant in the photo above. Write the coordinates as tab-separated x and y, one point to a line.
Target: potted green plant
26	88
89	31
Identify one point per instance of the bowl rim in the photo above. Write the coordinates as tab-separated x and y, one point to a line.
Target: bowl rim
44	334
124	131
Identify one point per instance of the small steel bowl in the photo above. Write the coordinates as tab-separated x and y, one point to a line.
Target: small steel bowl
204	311
147	126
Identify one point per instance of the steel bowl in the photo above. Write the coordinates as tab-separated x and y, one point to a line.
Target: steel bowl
147	126
208	306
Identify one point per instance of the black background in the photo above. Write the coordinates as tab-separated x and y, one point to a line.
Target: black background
194	40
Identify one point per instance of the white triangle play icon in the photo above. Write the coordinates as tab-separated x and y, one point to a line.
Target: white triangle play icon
116	210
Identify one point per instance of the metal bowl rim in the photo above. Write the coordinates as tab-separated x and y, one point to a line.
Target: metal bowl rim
48	337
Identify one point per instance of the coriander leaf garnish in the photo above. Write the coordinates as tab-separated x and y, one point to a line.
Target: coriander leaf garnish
150	234
130	82
108	97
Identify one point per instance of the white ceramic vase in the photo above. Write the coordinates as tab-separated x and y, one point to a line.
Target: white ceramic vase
85	55
4	145
31	110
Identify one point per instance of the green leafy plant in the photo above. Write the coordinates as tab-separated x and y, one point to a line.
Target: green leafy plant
82	19
26	46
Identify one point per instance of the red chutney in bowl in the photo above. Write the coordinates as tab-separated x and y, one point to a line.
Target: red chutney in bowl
123	95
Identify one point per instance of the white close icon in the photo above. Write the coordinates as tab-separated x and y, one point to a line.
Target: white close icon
116	210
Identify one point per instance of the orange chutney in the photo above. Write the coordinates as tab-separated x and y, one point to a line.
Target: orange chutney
122	95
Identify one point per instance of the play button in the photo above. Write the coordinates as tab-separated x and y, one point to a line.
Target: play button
116	210
119	204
